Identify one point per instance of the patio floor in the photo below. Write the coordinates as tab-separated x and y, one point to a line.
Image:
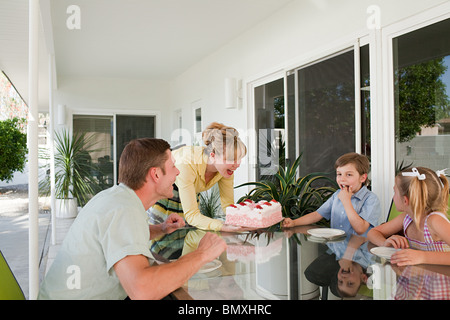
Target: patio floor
14	234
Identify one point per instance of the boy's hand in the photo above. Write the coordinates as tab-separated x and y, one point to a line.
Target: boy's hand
288	223
345	194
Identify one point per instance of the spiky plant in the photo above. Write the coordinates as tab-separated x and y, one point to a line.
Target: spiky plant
297	195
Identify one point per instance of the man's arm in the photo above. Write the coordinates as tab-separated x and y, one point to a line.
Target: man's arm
142	281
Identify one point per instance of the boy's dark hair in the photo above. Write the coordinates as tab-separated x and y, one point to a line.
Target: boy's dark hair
360	161
138	157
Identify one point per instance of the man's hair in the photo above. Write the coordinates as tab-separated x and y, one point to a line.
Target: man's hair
361	163
138	157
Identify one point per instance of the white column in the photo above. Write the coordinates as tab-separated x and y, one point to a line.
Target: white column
357	63
382	121
32	140
376	114
51	139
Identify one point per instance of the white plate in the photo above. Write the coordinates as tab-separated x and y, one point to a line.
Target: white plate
210	266
384	252
326	233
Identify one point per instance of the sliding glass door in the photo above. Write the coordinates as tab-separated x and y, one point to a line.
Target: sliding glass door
110	142
313	111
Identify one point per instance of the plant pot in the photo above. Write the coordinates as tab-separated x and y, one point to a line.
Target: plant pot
66	208
270	281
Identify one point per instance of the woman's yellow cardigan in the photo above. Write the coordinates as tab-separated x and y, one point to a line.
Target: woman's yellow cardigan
192	162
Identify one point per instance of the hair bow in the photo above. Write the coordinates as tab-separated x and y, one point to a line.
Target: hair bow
439	172
414	173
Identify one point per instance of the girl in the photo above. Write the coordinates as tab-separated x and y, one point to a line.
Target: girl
422	196
200	169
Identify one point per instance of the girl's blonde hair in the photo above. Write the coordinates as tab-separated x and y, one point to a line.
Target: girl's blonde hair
426	195
224	142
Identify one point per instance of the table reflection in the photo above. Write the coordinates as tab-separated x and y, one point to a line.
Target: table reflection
290	264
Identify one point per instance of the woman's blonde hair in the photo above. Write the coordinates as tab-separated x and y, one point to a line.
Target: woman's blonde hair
427	194
224	142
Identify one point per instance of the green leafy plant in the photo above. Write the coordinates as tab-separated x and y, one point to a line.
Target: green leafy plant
209	202
422	98
400	166
74	171
13	148
297	195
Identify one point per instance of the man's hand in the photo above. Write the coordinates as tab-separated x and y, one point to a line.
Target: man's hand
211	246
172	223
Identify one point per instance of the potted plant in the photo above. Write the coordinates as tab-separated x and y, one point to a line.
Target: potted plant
13	151
297	195
74	173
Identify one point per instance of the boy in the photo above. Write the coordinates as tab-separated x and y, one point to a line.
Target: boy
353	208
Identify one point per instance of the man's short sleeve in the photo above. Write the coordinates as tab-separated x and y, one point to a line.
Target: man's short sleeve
125	233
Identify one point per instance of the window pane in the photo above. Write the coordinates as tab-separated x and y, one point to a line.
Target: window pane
422	90
269	104
290	130
326	112
198	120
365	101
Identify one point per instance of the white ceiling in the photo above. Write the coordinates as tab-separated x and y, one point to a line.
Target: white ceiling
151	39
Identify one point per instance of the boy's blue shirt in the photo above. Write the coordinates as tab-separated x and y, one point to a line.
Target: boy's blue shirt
365	203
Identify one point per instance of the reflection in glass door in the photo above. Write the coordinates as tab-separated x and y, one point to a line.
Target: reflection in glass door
129	127
98	129
422	91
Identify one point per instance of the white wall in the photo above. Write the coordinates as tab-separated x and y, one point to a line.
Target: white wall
300	33
113	94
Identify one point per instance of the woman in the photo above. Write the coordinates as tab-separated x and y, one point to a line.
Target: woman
200	169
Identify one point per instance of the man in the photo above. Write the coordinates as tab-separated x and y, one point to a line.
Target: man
105	253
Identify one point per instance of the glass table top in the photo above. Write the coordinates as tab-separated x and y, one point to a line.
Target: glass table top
293	264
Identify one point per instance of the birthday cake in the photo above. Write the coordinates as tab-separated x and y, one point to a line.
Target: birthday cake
252	214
